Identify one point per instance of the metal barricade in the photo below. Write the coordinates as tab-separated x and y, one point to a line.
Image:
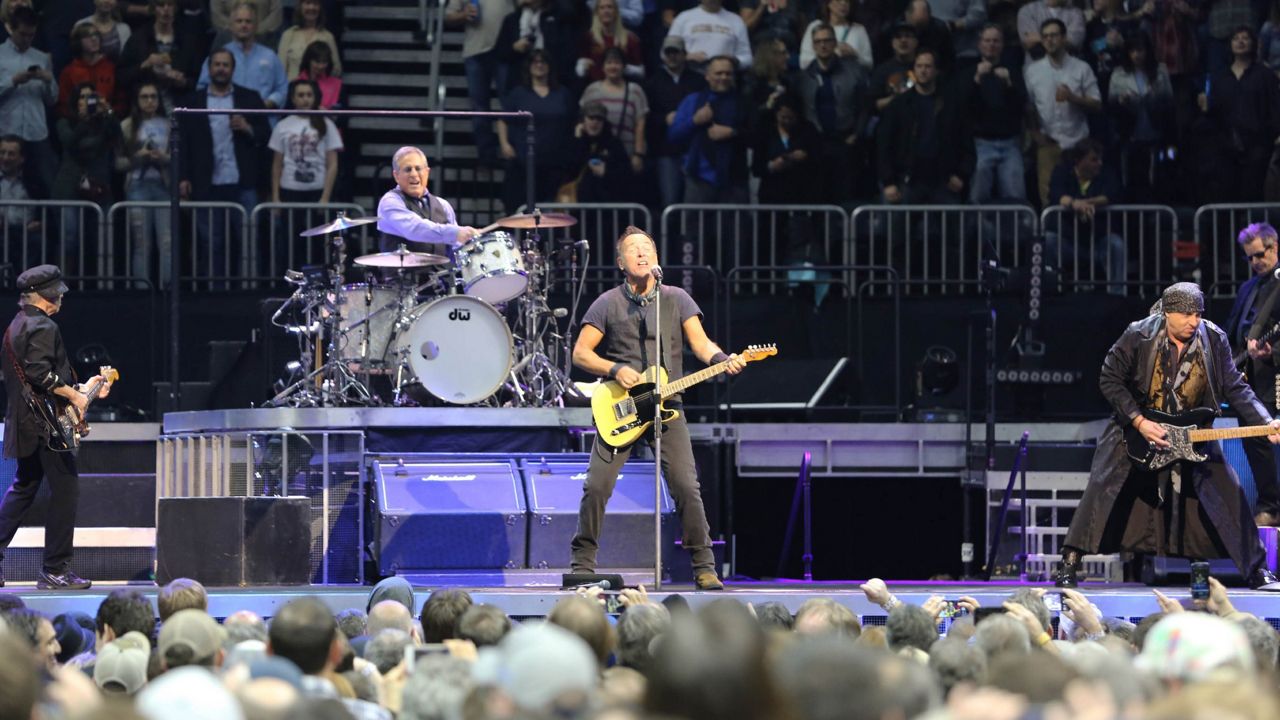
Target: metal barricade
217	247
275	228
141	235
66	233
728	236
937	248
1121	247
1216	228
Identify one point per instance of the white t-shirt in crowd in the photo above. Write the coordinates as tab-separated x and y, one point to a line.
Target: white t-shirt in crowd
721	33
304	152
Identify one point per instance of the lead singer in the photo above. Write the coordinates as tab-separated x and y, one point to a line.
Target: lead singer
622	319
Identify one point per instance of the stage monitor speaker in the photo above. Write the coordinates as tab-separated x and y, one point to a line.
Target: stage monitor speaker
626	537
234	541
789	385
445	515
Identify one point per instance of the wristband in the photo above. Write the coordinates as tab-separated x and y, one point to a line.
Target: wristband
891	603
719	358
613	371
1043	639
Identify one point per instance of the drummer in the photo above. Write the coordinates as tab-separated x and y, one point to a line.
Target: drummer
409	214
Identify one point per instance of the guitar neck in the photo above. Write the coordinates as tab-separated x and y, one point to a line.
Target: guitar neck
1208	434
688	381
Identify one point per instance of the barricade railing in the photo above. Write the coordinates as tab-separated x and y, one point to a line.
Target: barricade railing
936	249
66	233
1216	228
1120	247
727	236
218	239
275	228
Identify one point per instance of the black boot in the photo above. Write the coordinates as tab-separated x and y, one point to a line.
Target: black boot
1068	575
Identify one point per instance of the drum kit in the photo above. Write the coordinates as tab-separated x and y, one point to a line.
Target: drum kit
427	329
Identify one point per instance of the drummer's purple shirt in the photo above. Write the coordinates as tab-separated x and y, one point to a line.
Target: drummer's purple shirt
395	218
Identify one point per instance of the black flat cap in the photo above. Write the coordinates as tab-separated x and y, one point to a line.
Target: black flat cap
43	279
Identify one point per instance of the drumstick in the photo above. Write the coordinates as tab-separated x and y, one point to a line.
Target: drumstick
487	228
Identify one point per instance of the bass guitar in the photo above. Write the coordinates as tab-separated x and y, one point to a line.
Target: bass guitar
1183	432
60	419
1264	339
621	416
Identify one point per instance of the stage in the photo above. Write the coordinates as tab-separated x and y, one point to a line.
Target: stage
1129	602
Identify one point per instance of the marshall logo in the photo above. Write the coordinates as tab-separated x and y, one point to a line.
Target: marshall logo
447	478
460	314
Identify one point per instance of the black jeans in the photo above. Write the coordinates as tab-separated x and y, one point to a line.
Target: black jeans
60	523
682	479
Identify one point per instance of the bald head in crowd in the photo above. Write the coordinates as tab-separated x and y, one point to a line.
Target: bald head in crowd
391	615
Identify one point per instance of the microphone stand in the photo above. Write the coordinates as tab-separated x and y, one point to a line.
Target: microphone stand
657	431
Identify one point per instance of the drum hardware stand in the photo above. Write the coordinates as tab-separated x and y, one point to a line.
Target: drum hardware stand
332	383
537	379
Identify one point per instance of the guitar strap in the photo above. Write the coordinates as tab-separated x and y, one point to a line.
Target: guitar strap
1260	318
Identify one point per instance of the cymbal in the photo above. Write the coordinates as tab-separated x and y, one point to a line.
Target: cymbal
401	258
341	223
530	221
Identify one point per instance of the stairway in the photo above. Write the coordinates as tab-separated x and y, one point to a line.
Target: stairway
390	69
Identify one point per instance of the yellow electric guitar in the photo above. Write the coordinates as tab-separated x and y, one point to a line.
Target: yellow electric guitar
621	416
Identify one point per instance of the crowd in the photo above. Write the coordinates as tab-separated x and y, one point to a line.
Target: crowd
451	659
85	91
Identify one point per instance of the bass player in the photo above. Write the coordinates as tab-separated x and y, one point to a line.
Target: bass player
617	341
1172	361
35	361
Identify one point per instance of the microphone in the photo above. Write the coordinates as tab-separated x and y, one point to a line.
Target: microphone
656	271
602	584
556	312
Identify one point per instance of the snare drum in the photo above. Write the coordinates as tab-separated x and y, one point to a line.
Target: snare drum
366	316
492	268
458	347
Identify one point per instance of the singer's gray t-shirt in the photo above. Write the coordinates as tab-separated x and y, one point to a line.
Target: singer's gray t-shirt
620	319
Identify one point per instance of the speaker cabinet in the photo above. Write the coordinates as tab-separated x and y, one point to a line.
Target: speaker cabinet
234	541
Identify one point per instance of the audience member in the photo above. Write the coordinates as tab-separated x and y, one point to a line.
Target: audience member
965	20
165	52
1221	22
75	633
1140	101
1104	38
598	162
308	27
257	67
114	33
923	155
121	668
711	122
392	588
191	637
1242	104
709	31
1034	16
773	615
483	625
269	14
824	616
353	622
89	139
585	617
436	689
441	612
833	97
788	157
486	68
996	99
391	615
772	20
1269	39
27	89
223	158
538	25
909	626
765	83
625	104
541	94
1063	90
637	630
931	32
317	62
18	184
893	76
665	88
305	150
245	625
1082	241
89	67
386	648
144	159
37	630
607	31
180	593
852	41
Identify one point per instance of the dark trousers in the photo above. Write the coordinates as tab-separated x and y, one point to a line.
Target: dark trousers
682	478
60	523
1262	461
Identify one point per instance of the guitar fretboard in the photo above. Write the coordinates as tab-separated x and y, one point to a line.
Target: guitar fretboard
1207	434
688	381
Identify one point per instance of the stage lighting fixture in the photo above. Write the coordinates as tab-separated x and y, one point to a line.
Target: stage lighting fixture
938	372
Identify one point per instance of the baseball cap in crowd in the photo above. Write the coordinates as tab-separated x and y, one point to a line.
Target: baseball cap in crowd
673	42
75	634
1191	646
193	630
43	279
190	693
535	664
121	668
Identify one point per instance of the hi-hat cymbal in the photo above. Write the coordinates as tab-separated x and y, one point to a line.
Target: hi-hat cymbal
341	223
530	221
401	258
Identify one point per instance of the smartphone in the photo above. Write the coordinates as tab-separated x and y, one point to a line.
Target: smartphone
983	613
412	653
1199	581
612	602
1053	601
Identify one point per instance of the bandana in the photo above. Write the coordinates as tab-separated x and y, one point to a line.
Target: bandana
1183	297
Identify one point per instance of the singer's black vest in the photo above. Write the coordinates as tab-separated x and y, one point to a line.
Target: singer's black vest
433	211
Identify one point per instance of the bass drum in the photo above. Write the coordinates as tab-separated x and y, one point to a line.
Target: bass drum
459	348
